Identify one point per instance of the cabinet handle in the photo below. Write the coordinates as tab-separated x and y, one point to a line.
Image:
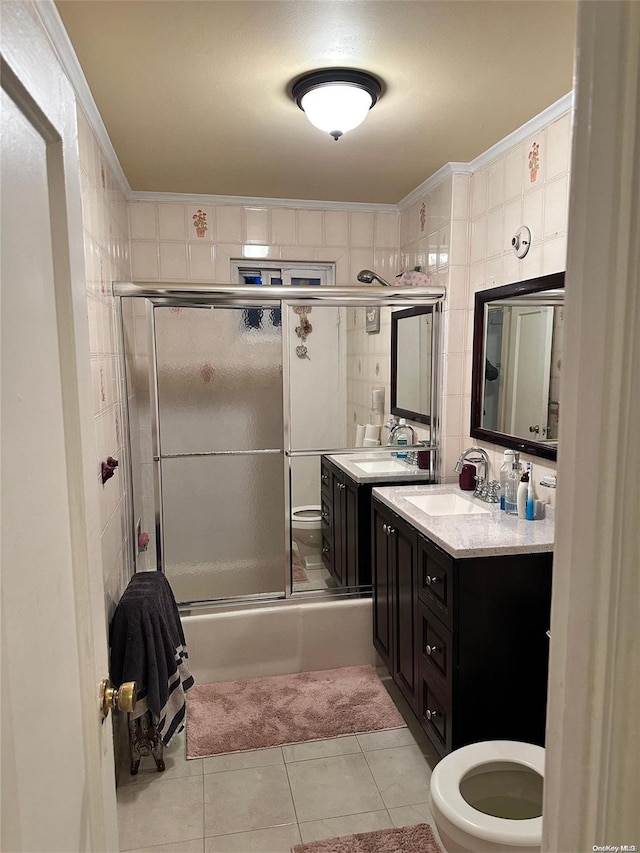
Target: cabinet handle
341	486
390	530
432	579
431	650
324	478
431	715
325	550
384	528
325	516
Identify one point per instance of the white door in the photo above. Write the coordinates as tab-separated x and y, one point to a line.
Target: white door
530	366
58	791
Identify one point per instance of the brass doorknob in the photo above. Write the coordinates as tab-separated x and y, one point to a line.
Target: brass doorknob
121	698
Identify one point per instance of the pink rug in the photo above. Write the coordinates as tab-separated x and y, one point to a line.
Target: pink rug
236	716
406	839
299	573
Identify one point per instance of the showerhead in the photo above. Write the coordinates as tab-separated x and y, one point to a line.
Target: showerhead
367	276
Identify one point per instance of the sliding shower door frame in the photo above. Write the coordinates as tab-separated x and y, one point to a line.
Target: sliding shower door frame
226	296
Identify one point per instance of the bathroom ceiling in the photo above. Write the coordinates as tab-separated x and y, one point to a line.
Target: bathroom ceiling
193	93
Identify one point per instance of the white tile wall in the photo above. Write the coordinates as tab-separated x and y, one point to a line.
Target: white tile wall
503	196
166	247
107	224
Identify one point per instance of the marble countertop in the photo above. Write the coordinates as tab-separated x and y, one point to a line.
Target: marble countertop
348	463
484	535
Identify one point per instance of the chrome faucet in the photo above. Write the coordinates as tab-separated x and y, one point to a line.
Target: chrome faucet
482	458
393	425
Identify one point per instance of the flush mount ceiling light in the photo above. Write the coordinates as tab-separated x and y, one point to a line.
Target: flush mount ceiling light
336	99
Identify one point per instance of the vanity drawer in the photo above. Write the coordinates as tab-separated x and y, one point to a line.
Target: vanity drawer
435	580
436	650
435	715
325	479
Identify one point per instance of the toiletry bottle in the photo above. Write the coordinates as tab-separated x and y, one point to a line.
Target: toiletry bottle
505	470
402	438
511	490
531	498
521	498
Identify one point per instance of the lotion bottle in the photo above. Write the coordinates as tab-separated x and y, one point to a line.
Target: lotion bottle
523	488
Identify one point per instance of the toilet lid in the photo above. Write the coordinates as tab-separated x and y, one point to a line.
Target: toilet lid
445	790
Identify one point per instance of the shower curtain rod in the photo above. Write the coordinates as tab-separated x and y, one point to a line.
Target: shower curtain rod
266	294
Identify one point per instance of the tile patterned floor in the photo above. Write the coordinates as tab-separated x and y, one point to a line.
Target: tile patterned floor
268	800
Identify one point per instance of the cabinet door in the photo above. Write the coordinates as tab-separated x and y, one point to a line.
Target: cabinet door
382	585
403	541
339	563
350	534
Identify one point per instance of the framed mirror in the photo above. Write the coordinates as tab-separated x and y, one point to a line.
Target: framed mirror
413	352
517	357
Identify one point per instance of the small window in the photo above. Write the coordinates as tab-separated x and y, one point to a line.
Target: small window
286	275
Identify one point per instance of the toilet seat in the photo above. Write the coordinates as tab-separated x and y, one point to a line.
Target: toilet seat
445	791
312	519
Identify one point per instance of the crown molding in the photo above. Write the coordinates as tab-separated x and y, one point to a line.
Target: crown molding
54	28
250	201
425	187
52	23
530	128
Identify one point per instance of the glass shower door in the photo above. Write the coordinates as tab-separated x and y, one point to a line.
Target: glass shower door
220	451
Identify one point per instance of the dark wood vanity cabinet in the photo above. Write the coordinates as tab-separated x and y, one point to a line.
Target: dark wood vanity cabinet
464	639
346	524
394	591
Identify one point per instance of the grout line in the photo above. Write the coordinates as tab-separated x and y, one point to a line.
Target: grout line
293	799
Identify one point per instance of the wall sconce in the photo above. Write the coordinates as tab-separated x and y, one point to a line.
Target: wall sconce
336	99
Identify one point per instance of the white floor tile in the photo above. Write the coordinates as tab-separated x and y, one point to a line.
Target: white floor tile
321	748
162	813
194	846
409	815
331	787
386	739
243	760
277	839
334	827
402	775
242	800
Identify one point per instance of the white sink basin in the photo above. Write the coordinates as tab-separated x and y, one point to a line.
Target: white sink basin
446	504
383	466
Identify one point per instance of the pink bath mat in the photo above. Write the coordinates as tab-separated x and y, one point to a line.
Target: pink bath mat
406	839
236	716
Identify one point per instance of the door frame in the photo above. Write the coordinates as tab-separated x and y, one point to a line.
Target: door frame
35	81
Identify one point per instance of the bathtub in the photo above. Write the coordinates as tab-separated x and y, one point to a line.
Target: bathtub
277	639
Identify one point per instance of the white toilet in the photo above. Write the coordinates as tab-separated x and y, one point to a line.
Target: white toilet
487	797
306	524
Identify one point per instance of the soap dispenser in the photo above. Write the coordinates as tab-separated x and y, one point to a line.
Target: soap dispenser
523	490
401	437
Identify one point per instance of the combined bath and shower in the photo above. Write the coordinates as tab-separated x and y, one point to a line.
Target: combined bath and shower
368	276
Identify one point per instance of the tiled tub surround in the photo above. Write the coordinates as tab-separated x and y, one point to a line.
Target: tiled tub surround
486	535
165	245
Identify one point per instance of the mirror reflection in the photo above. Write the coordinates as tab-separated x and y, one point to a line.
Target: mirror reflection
411	363
517	362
